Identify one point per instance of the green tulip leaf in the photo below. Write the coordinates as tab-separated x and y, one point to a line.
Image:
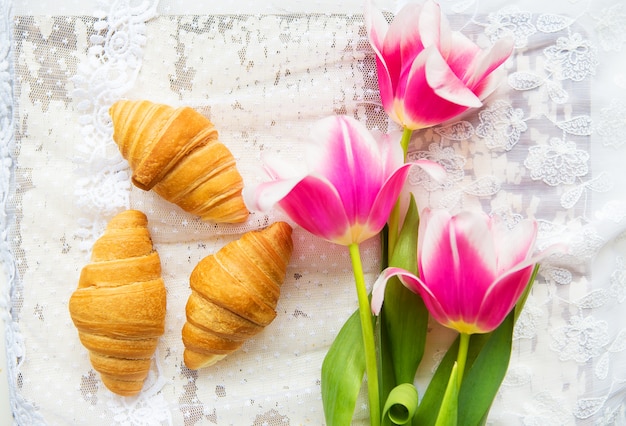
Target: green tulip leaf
342	373
487	363
519	306
386	373
430	405
404	317
401	404
483	379
405	250
448	412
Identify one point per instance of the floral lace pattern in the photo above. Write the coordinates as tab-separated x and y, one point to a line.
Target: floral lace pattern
571	58
22	408
109	71
553	146
533	149
559	162
510	21
581	340
501	125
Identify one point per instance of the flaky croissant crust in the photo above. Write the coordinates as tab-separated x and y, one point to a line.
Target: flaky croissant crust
119	305
176	152
234	294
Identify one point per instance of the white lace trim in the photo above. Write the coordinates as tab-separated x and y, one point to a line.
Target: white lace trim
548	145
109	71
24	412
116	51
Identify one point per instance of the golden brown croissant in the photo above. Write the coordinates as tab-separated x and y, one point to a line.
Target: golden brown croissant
234	293
119	305
176	152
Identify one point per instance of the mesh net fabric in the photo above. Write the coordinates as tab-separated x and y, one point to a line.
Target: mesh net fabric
263	79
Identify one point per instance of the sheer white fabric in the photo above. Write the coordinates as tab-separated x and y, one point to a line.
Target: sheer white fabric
548	144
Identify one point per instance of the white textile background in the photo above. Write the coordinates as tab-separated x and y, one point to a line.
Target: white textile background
548	144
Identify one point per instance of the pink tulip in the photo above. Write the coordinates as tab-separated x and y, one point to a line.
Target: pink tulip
348	186
428	74
472	269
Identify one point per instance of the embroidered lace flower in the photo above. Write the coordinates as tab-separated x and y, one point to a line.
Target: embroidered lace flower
571	58
562	111
501	125
510	21
559	162
446	157
580	340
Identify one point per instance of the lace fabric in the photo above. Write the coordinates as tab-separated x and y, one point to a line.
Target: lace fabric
548	144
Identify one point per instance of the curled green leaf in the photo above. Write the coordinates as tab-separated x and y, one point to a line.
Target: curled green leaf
401	405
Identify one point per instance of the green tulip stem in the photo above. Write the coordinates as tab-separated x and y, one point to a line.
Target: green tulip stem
405	140
394	217
462	357
367	331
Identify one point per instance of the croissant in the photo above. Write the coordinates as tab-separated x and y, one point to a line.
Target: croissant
234	294
119	305
176	152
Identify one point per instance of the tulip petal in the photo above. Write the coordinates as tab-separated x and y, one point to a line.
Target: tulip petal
461	58
385	85
278	168
418	102
445	36
434	170
315	205
504	292
429	24
501	297
401	46
509	255
489	84
451	244
285	176
377	27
413	283
457	260
378	290
432	228
357	167
264	196
472	231
387	197
379	213
408	279
391	154
403	39
446	83
486	62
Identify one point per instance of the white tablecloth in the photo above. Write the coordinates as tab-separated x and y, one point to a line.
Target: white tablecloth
549	144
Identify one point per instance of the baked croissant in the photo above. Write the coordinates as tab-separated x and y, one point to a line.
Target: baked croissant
176	152
119	305
234	294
